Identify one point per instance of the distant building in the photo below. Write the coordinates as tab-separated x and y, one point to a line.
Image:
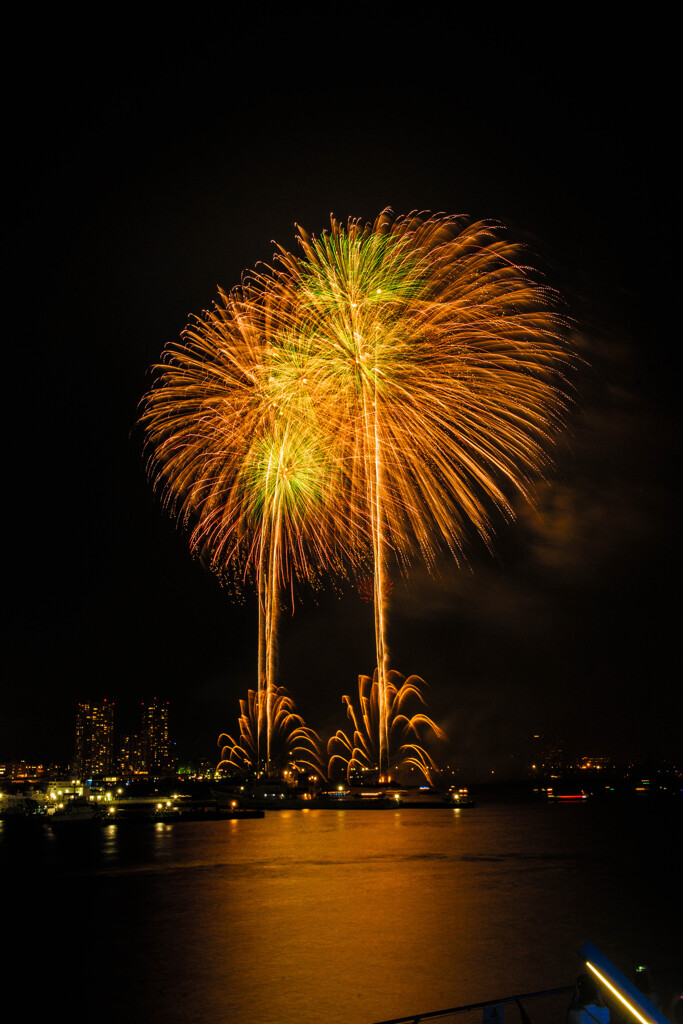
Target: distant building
599	762
154	744
131	758
95	738
547	755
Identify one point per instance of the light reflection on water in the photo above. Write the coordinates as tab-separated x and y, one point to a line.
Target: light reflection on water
341	917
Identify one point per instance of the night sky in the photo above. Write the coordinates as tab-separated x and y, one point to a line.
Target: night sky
150	170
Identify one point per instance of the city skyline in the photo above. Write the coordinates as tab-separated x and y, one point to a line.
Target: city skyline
105	746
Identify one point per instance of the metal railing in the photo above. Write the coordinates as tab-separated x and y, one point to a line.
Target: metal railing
547	1007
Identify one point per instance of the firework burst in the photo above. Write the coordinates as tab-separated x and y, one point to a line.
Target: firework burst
375	396
437	365
242	462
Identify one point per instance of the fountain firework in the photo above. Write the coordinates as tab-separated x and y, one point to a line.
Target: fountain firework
292	744
360	751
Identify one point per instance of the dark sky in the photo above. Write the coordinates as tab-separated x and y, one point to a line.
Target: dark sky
152	169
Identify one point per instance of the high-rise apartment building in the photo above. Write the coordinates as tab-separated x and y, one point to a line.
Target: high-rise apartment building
95	738
130	761
156	751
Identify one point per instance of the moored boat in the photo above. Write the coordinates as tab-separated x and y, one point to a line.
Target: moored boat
73	813
460	798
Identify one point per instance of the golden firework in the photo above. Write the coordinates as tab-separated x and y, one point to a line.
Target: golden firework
241	460
375	397
436	363
293	745
360	752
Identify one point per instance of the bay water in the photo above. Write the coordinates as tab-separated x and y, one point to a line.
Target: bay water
337	916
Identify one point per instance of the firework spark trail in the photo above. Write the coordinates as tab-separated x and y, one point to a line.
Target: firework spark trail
437	365
240	459
381	391
381	721
292	743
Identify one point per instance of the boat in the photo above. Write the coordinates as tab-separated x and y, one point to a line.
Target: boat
566	794
75	812
264	795
460	798
356	798
205	810
183	807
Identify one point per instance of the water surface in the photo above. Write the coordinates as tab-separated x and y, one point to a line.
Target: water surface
342	917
